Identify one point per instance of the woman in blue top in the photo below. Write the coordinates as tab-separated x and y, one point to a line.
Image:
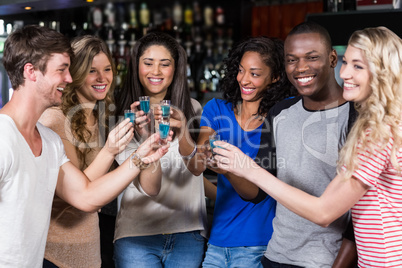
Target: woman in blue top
255	80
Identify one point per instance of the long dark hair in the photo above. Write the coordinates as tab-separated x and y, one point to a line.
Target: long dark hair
177	92
272	53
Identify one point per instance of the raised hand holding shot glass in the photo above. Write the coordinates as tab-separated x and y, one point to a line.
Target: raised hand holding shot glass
215	142
231	159
144	104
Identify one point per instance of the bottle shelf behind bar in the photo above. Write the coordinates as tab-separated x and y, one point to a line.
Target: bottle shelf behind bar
205	29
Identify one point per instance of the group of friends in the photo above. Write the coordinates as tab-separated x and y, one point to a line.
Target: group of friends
309	171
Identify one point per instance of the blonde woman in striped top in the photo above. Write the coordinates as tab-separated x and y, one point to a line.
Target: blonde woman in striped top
369	179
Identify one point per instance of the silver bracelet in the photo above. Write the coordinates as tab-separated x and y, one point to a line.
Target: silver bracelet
188	157
137	160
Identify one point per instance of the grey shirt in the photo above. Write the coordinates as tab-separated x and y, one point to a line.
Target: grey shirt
307	146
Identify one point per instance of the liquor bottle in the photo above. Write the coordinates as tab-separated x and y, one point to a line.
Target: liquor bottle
207	67
219	55
196	60
110	41
110	15
205	81
121	60
2	29
168	20
55	25
133	29
132	42
133	16
208	17
188	46
208	44
121	14
70	33
229	42
220	16
188	21
190	79
3	37
210	62
157	19
197	14
97	20
177	16
144	18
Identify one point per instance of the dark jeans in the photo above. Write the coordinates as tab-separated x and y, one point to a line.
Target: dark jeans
106	226
48	264
266	263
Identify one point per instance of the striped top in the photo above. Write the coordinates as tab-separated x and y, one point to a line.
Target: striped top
377	217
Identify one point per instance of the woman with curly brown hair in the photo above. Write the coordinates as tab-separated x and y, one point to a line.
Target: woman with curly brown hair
255	80
82	121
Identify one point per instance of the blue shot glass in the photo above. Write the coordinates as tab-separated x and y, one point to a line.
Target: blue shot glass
130	114
165	106
144	104
212	138
164	127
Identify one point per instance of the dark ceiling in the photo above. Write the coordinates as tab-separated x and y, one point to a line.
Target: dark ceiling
10	7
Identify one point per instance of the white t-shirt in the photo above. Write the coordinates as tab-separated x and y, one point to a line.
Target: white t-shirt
27	186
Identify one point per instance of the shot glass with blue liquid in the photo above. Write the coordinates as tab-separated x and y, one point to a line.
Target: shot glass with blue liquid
144	104
164	127
212	138
130	114
165	106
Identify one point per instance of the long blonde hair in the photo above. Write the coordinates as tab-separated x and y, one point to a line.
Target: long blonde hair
85	49
379	118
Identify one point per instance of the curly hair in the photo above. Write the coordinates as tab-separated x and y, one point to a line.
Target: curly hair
379	116
85	49
272	53
180	96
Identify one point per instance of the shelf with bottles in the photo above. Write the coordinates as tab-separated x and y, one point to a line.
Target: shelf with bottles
201	30
206	29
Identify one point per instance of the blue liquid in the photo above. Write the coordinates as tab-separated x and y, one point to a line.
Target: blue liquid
211	143
164	130
165	111
131	116
145	106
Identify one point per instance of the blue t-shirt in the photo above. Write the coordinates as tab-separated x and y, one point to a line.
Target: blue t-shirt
237	222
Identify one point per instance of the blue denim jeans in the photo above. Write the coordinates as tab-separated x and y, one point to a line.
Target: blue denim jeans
166	250
239	257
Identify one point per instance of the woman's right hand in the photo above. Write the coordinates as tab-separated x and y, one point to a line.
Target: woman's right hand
141	126
177	119
230	158
151	150
119	137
